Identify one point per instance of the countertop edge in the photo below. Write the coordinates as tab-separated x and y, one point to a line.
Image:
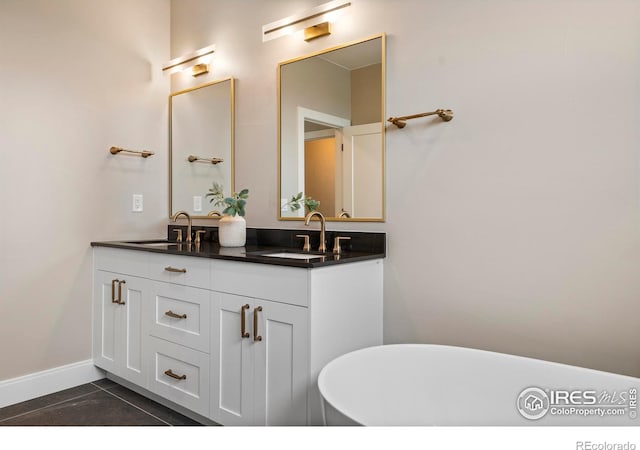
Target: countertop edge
211	251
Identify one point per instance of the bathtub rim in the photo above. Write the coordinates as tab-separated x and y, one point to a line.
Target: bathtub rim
323	372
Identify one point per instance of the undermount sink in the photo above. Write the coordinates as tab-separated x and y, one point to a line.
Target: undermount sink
306	256
154	243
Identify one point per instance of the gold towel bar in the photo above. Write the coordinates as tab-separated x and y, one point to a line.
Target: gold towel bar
143	153
193	158
444	114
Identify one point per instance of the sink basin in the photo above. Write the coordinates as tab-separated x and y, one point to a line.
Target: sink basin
155	243
288	255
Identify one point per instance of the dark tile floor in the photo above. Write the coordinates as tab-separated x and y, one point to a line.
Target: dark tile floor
102	402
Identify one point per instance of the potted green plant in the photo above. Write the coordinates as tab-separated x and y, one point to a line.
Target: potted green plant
232	227
298	201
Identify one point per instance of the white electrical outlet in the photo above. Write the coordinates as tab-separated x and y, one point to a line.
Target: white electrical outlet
197	203
137	203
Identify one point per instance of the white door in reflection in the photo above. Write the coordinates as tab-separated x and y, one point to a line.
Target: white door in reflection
362	164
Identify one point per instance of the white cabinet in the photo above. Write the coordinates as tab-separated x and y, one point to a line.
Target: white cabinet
281	370
260	362
117	324
308	318
239	343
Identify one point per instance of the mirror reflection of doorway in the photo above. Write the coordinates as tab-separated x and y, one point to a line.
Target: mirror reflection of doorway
320	173
341	168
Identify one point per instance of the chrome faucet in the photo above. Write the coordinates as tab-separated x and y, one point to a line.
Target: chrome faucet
186	214
323	246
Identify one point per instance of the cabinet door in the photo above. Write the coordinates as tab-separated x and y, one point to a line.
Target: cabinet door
231	367
118	342
280	363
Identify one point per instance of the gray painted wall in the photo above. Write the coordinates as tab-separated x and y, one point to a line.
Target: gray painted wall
515	227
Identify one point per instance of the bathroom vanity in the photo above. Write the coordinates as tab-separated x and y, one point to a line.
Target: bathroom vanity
232	335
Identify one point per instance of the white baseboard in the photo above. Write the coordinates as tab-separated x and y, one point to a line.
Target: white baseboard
20	389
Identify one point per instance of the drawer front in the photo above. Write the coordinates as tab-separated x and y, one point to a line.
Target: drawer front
128	262
180	374
278	283
184	270
181	315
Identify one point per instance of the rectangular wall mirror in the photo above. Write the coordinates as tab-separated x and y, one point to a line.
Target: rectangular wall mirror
331	131
201	145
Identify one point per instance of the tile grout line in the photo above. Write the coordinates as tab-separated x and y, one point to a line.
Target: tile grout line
52	404
135	406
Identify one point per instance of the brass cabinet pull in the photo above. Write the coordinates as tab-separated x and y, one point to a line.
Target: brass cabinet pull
174	315
113	290
243	324
120	283
173	269
169	373
256	336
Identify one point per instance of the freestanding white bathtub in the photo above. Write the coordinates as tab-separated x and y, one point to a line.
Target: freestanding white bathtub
416	384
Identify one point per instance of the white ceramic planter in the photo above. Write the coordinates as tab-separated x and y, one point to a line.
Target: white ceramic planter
232	231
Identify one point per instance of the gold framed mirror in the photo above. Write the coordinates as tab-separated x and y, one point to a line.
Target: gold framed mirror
331	131
201	145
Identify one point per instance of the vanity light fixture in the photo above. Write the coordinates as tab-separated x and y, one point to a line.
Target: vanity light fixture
315	22
197	61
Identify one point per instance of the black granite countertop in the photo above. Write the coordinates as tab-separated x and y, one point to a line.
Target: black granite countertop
260	242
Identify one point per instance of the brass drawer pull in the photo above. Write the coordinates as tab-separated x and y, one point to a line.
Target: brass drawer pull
243	323
173	269
113	290
174	315
119	301
169	373
256	336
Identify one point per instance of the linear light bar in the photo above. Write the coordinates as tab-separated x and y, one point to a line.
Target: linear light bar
320	15
198	61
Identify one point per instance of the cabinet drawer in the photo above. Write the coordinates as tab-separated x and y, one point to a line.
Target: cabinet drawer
180	374
184	270
181	315
278	283
121	261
